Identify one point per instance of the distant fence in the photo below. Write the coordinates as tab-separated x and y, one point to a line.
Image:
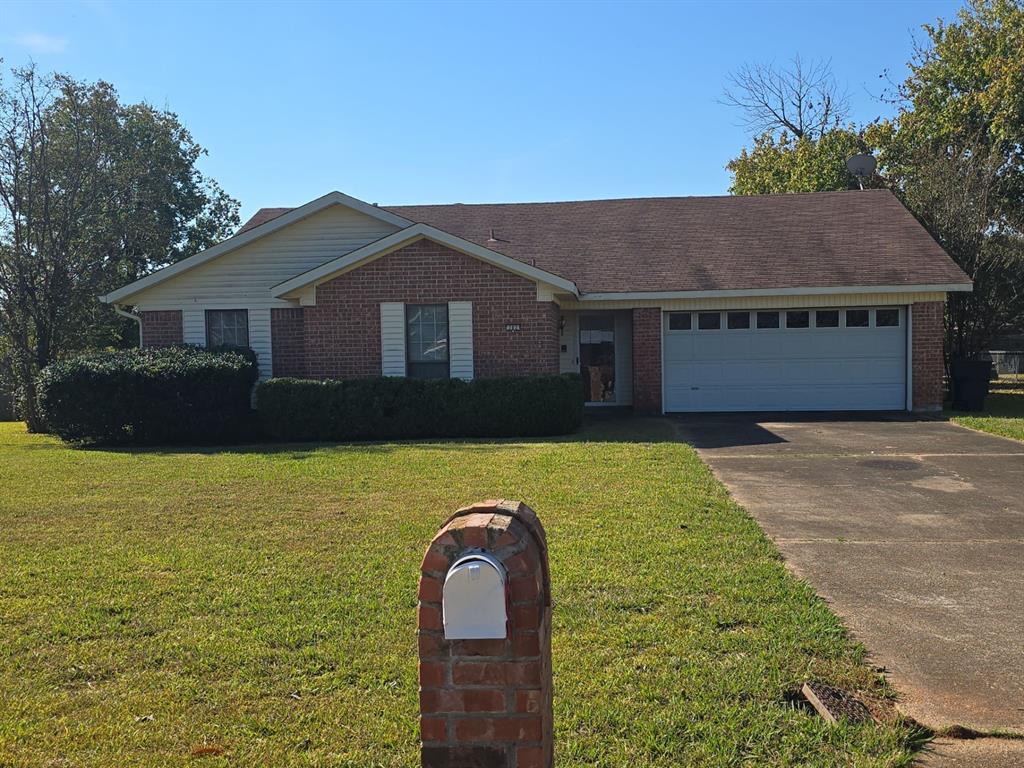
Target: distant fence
1008	362
1008	365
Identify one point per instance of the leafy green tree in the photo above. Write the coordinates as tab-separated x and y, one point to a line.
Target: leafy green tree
782	163
965	92
955	154
952	195
93	193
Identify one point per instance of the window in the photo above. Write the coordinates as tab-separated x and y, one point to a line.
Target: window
426	341
737	320
856	318
679	321
227	327
709	321
887	318
767	319
799	319
826	318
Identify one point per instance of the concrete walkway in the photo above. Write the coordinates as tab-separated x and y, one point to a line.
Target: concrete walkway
913	530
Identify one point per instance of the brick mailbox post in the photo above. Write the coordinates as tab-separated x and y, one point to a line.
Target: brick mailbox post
485	702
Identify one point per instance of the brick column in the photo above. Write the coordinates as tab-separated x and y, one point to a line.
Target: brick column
487	703
162	328
926	355
647	360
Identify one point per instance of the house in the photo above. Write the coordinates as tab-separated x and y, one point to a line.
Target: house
824	301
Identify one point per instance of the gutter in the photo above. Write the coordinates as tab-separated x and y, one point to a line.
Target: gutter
743	292
136	318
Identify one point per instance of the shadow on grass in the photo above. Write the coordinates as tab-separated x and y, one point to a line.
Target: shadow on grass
617	428
700	430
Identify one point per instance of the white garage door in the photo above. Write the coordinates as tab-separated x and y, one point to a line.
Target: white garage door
786	360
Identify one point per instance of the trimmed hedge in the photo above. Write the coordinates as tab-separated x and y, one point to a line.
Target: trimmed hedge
150	396
384	408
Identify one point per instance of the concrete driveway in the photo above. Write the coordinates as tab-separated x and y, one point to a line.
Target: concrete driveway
913	530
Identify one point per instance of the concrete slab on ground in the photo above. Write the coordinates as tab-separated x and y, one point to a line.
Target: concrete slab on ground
973	753
913	530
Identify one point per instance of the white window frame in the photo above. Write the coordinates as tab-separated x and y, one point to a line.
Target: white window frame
220	313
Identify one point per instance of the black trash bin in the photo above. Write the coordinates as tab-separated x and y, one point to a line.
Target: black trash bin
970	383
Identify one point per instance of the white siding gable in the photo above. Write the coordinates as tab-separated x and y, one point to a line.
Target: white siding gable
249	272
460	339
392	338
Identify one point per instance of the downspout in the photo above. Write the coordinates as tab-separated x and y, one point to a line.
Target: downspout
136	318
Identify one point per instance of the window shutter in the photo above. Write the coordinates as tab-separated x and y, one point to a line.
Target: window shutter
392	339
460	339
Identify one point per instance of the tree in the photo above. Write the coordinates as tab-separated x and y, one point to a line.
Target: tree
788	164
965	92
951	194
93	193
796	115
955	154
803	101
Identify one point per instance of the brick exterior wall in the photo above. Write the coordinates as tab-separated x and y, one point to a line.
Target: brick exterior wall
162	328
341	334
647	360
487	703
927	355
287	337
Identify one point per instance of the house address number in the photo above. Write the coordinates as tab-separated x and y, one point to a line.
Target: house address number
513	327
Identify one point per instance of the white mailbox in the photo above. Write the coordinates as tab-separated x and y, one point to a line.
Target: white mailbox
474	598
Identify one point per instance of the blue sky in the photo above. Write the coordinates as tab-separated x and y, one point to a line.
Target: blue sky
459	102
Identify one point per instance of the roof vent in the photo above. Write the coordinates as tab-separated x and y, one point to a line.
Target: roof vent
492	238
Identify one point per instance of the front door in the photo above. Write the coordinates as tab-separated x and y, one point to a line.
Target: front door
597	357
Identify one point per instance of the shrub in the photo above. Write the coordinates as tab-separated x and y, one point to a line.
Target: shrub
149	396
380	408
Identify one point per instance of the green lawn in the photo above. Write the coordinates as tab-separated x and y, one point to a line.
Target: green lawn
153	603
1004	414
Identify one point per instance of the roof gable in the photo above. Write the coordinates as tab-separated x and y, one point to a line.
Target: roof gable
251	233
294	286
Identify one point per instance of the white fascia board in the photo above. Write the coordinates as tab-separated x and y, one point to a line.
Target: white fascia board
824	291
232	243
405	236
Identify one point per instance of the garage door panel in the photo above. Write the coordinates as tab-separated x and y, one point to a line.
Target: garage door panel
706	345
751	371
734	344
786	369
703	374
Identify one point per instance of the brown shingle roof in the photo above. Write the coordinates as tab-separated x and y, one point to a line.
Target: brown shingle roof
819	240
262	216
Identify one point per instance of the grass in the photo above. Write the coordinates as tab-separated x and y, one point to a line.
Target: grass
1003	415
256	606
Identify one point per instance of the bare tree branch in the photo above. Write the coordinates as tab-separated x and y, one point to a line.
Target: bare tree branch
803	99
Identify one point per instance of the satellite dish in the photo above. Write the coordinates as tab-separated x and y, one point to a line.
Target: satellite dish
861	166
